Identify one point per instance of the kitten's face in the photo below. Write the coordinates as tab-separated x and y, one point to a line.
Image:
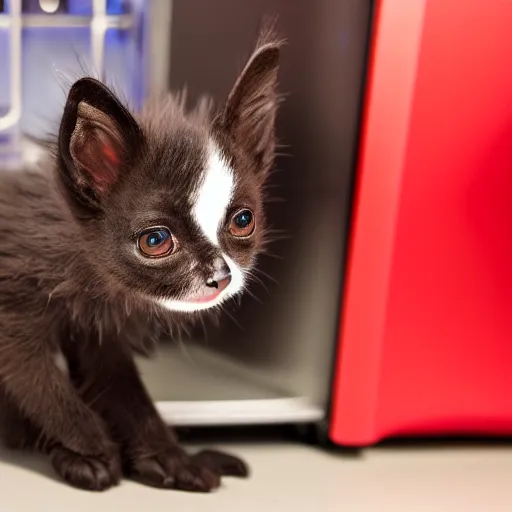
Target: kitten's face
186	226
170	205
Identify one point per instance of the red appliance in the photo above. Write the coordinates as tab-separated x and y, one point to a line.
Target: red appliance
426	338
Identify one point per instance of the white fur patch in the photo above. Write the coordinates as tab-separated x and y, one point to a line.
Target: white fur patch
212	199
237	277
210	204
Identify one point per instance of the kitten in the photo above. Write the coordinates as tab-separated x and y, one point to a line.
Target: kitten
135	222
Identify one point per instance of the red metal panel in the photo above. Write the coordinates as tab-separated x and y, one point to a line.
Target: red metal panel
426	339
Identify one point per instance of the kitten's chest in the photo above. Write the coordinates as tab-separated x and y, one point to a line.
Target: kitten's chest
141	332
82	324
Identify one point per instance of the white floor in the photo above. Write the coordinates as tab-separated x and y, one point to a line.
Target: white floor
290	477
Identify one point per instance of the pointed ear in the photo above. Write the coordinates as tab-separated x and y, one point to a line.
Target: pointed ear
97	140
250	112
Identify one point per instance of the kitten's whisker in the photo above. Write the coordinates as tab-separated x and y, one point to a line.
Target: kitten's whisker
251	275
181	344
274	200
279	231
272	236
205	331
265	274
256	298
233	318
264	252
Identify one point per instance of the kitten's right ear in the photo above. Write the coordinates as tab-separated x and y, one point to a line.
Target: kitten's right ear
250	112
97	140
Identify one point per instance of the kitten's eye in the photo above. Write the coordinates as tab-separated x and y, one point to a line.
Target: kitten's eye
156	242
242	223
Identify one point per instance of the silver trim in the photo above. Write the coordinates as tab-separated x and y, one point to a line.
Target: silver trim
15	21
240	412
122	21
13	115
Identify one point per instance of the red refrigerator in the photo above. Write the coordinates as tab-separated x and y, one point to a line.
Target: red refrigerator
425	344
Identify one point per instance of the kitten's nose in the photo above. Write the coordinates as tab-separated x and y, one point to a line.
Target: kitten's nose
220	279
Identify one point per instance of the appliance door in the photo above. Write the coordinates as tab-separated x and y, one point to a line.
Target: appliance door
425	344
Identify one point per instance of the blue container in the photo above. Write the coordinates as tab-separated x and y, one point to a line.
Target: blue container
59	42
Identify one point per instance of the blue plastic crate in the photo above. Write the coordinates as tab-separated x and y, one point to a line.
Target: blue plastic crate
58	47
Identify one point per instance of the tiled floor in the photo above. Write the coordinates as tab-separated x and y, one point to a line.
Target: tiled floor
296	478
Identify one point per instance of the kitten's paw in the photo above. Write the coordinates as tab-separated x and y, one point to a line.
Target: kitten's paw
93	473
172	469
222	463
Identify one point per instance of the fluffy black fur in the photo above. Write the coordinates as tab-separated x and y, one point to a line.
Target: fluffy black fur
73	283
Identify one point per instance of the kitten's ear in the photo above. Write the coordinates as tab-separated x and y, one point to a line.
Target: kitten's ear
97	139
250	112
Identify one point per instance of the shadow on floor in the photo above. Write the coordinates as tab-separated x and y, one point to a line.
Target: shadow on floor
28	461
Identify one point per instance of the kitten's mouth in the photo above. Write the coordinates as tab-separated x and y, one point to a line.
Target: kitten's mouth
204	299
211	294
218	287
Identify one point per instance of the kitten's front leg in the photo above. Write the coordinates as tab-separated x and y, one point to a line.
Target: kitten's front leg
49	407
108	379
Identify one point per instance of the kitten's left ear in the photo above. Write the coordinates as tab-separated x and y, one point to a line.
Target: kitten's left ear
97	140
250	112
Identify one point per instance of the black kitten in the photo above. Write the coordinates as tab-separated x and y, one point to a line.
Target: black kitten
135	223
